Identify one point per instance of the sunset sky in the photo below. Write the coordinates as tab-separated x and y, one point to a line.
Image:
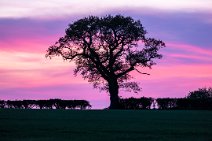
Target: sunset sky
29	27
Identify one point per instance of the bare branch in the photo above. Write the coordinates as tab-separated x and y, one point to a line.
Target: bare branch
141	72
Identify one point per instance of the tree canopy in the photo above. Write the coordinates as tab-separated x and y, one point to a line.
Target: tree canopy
201	93
105	51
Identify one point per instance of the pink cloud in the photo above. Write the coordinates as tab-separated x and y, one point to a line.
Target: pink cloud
174	71
24	69
188	56
189	48
28	45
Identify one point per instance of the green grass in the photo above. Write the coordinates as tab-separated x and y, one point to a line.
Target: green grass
96	125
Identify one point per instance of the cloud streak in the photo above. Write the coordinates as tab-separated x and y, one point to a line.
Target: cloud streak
47	8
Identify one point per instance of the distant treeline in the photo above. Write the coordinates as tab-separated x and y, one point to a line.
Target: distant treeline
136	103
184	103
200	99
45	104
167	103
127	103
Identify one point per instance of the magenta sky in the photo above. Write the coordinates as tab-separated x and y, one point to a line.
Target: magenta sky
28	28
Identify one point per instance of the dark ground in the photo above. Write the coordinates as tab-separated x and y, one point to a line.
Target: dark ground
97	125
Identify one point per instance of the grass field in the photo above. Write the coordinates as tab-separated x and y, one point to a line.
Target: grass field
96	125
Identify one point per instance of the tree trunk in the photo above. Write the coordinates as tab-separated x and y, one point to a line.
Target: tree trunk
114	98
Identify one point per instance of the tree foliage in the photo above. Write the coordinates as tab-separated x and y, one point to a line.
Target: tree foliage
106	49
166	103
201	93
136	103
45	104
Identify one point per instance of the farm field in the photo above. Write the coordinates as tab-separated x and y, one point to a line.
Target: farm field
104	125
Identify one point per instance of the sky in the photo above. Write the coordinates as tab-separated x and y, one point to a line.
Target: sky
29	27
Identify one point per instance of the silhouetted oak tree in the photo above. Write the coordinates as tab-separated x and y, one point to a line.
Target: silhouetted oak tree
105	51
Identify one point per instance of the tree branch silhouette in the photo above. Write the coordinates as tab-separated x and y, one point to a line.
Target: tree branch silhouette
106	49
